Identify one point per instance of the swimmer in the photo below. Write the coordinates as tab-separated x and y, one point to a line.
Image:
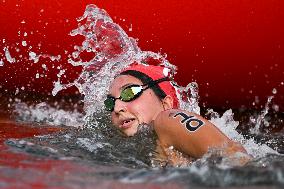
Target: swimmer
143	94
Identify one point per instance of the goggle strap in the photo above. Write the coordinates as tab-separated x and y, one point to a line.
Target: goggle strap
154	82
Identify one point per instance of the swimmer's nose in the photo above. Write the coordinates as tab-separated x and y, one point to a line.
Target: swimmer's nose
119	106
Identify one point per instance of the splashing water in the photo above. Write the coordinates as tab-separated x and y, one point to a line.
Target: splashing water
189	97
260	119
110	46
228	125
35	58
8	55
112	50
44	113
101	144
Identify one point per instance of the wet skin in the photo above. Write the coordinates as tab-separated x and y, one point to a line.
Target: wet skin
128	115
185	131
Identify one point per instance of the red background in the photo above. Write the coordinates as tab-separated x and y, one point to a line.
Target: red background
233	49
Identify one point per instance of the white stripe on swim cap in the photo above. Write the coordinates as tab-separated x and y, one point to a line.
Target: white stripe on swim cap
166	72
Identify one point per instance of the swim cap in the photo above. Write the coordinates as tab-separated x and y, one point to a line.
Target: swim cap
155	73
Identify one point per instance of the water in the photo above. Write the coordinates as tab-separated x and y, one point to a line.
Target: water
8	55
103	155
52	147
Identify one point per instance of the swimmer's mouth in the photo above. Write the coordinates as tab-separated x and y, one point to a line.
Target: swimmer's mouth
127	123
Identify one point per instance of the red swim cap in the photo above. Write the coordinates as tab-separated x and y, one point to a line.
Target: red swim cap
157	72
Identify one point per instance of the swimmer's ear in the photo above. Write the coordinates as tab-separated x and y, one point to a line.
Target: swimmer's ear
168	102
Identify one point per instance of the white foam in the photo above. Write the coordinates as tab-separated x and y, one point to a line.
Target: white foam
90	145
228	126
44	113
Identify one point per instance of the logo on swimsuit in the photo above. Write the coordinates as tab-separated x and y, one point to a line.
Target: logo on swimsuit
191	123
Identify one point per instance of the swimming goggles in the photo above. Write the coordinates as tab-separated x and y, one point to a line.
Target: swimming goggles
130	93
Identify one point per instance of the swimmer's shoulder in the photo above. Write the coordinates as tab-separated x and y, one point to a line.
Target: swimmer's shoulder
174	124
176	116
171	112
191	134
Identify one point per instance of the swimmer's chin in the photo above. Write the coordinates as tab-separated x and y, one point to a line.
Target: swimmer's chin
129	133
135	129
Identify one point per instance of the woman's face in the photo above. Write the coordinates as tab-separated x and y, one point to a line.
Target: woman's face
128	115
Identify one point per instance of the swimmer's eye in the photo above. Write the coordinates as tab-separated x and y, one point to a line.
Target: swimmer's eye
127	94
130	93
109	103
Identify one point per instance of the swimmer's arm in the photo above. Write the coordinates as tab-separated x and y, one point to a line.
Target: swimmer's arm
192	134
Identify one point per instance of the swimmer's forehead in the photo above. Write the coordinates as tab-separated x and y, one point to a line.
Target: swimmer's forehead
122	81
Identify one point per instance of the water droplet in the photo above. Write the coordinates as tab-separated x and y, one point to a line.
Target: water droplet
17	91
44	66
33	56
1	63
130	28
24	43
275	107
8	55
